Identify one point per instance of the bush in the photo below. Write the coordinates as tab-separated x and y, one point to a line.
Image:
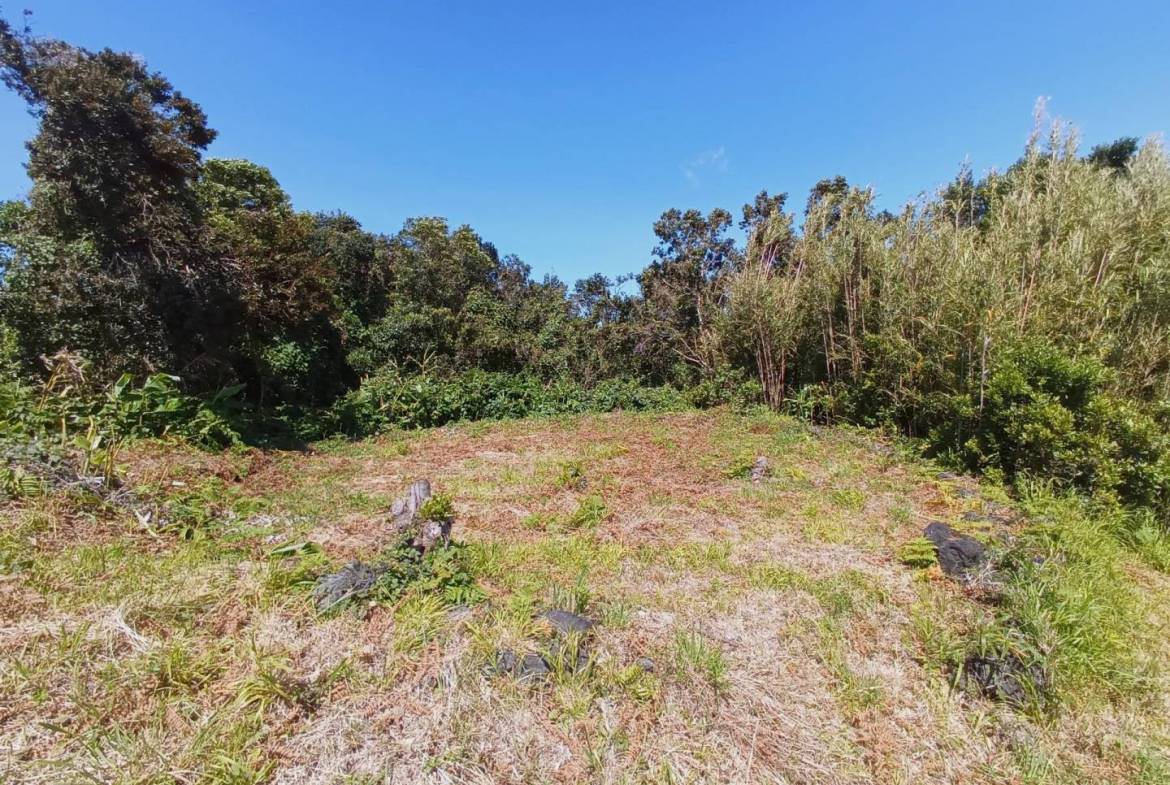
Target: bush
392	400
1047	414
63	407
726	387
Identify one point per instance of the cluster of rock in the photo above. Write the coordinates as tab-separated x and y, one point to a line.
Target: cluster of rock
566	650
1006	677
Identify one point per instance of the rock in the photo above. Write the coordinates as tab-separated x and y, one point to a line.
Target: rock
961	555
564	622
432	533
938	533
505	662
947	476
966	493
527	668
531	667
352	580
1005	678
760	469
646	664
958	554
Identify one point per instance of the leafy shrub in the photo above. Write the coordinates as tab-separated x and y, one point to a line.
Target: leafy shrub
158	408
437	508
1047	414
444	572
62	406
590	512
393	400
726	386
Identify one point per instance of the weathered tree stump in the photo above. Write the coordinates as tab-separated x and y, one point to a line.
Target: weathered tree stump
405	518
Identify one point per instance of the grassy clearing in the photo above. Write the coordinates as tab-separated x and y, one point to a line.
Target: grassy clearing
781	631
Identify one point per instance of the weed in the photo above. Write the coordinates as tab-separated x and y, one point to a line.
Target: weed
740	467
418	621
850	499
919	552
438	507
693	655
571	475
539	521
590	512
574	599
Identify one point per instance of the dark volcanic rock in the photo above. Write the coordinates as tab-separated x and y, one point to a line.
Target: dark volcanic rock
1005	678
527	668
958	554
565	622
938	532
532	666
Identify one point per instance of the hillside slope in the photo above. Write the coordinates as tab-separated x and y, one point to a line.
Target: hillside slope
746	631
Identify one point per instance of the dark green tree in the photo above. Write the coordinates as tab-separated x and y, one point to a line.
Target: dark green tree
110	255
1115	155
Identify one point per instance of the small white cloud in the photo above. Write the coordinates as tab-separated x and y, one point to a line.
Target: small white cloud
713	160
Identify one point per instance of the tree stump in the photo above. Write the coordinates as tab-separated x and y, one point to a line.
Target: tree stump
405	519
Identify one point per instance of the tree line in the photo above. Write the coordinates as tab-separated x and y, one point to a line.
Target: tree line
1019	320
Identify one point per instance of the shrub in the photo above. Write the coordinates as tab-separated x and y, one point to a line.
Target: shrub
1047	414
390	399
62	407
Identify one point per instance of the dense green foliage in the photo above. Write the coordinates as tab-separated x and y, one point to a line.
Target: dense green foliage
1020	321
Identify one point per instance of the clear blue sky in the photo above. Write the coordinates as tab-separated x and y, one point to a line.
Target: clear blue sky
561	130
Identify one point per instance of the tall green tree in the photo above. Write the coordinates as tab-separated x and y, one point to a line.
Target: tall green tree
111	249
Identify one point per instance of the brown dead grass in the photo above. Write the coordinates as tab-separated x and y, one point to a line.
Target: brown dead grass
676	550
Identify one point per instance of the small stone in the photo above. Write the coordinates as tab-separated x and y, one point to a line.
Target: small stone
531	667
966	493
947	476
646	664
564	622
1005	678
760	469
505	661
958	554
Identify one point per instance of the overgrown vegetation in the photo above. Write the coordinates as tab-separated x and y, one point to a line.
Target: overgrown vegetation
1018	321
749	578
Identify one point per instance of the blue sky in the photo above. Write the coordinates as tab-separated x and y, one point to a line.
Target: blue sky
560	131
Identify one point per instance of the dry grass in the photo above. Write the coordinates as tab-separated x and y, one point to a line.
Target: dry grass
788	643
